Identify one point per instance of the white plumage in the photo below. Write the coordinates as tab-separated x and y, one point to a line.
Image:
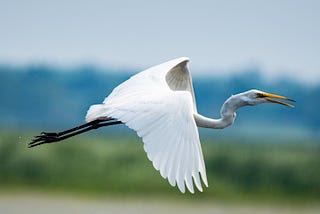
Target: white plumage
154	103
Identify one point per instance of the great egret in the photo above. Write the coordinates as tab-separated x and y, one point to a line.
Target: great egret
159	104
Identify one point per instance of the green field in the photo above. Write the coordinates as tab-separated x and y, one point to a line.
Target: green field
237	169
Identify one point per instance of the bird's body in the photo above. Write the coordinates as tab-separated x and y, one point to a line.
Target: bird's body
159	104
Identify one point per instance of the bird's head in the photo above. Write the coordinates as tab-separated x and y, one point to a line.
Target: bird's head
255	97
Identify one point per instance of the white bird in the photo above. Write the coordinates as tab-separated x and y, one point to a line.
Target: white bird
159	104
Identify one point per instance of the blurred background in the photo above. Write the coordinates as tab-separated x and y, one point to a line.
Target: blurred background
59	57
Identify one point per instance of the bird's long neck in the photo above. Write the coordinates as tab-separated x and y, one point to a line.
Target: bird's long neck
227	112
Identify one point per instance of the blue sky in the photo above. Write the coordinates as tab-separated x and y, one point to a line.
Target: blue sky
282	38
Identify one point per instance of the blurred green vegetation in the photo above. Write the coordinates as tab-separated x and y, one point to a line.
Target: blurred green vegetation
118	165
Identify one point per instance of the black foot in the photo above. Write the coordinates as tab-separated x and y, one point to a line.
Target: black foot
44	137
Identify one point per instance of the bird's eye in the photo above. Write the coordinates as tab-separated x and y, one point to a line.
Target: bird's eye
260	95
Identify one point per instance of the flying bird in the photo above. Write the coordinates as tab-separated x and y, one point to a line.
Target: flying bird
159	104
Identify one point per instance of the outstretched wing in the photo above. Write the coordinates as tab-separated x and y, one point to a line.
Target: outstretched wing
163	118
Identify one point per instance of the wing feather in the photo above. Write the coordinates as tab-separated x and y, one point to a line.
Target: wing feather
160	108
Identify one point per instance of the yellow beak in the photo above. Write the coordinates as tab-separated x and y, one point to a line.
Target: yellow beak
268	97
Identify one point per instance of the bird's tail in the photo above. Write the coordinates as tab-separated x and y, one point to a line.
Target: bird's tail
96	112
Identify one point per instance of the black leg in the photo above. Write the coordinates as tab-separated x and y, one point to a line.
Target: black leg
53	137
